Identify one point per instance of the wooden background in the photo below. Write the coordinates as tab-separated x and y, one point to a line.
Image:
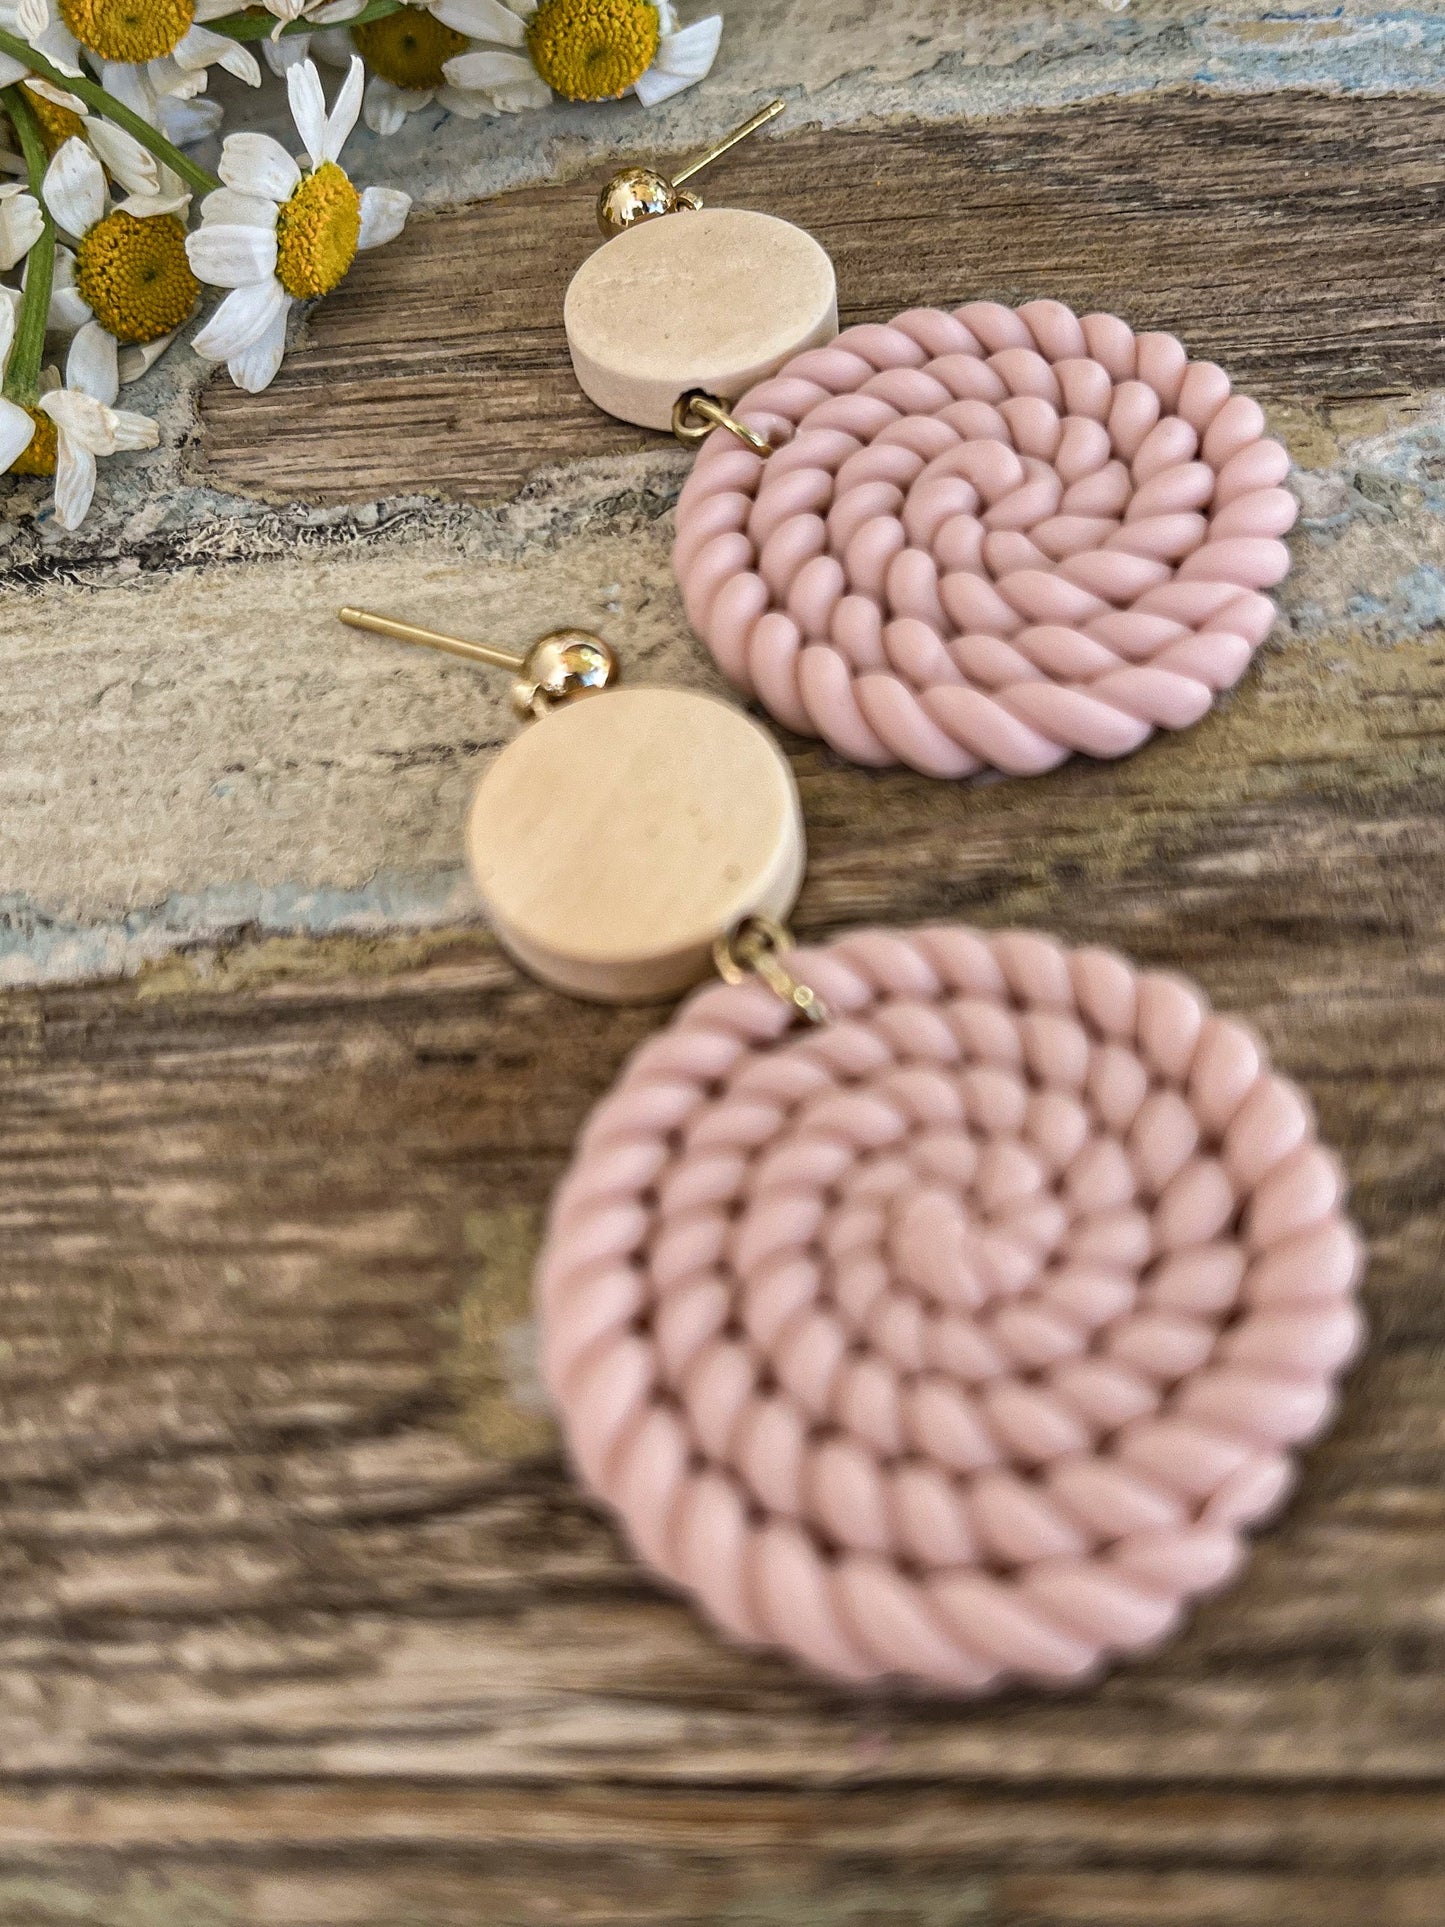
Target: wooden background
302	1622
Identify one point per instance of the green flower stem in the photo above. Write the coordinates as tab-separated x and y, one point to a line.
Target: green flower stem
250	26
107	105
22	377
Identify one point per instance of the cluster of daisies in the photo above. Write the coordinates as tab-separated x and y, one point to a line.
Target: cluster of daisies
104	97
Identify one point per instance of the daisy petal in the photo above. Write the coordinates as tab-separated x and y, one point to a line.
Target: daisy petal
48	91
125	158
256	164
135	361
226	208
9	311
682	60
74	483
81	418
464	105
32	17
16	431
93	364
184	122
336	11
68	311
523	97
133	431
255	368
343	115
145	207
231	257
482	20
10	72
74	187
242	318
199	48
384	107
308	108
383	215
484	71
168	77
284	54
21	225
59	46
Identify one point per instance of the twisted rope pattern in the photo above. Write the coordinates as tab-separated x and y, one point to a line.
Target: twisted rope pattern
988	539
961	1338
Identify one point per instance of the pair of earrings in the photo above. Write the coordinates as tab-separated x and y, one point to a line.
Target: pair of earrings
958	1333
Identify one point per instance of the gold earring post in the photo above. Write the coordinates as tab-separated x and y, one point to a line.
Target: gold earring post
641	193
558	666
749	126
433	639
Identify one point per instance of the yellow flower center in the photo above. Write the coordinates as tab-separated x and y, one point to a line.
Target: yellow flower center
129	30
38	456
134	277
592	49
57	124
408	48
316	233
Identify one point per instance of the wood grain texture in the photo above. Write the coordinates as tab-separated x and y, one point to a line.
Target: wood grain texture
1260	229
302	1622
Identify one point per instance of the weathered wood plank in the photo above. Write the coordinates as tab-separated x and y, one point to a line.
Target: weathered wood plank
276	1510
1279	235
245	1534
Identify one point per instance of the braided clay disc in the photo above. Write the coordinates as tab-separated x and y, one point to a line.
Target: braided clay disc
959	1338
988	539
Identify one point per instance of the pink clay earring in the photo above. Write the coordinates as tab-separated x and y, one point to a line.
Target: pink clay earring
982	539
987	539
955	1335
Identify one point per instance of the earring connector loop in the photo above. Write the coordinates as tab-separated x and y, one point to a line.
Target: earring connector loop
755	948
712	413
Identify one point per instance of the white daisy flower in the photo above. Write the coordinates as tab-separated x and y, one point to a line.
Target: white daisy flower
69	427
407	55
129	280
583	50
164	37
21	223
273	234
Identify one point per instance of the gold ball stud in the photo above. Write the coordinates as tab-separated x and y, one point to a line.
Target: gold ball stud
639	194
566	663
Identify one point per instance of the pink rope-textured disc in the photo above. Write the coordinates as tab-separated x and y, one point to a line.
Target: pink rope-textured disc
987	539
959	1338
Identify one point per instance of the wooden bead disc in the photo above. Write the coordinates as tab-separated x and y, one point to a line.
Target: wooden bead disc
614	840
715	299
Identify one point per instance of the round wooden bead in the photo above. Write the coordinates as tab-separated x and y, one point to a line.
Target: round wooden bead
615	839
715	299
